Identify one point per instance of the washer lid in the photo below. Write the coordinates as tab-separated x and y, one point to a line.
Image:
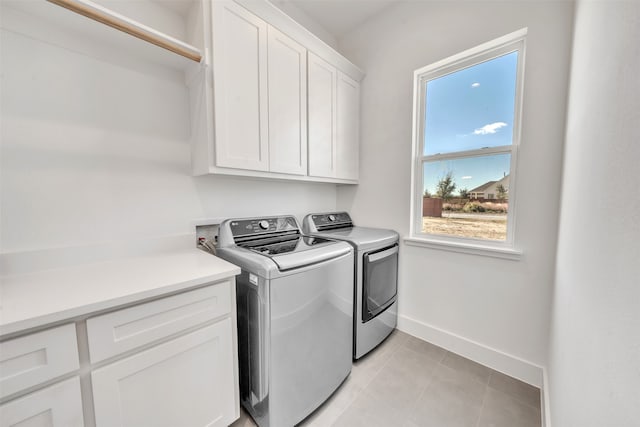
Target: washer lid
270	263
311	250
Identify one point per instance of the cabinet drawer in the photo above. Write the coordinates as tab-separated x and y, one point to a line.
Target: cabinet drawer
126	329
59	405
33	359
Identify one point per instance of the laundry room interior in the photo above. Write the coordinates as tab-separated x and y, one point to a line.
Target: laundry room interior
186	185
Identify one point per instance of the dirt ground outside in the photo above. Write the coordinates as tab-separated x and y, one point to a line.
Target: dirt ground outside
493	227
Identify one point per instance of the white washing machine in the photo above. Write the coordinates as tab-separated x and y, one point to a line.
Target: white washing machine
294	299
375	313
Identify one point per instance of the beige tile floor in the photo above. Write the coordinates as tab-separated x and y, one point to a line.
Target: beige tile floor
407	382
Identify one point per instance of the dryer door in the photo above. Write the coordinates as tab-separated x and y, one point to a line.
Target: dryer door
380	281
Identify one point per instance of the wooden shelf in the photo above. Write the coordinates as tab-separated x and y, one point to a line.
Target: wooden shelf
110	29
115	20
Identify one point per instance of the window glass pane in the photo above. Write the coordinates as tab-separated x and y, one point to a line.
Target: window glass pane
472	108
467	197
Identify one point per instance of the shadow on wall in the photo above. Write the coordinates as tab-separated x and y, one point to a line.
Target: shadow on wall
76	90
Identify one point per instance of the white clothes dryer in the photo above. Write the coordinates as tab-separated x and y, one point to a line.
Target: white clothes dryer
375	313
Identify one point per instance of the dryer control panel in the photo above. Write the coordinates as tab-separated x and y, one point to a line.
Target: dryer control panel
331	221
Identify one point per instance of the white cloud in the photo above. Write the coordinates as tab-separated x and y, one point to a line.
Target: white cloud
467	177
490	128
476	84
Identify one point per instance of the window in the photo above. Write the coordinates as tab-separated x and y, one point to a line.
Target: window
466	136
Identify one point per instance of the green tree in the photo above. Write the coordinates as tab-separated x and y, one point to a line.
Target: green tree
426	193
464	193
446	186
502	192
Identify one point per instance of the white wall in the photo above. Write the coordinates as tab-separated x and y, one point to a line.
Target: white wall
306	21
594	359
96	151
478	306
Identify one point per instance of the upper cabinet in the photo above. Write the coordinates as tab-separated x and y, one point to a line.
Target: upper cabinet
287	104
276	102
334	119
323	79
240	88
347	127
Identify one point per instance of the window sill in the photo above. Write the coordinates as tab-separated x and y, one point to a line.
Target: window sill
466	248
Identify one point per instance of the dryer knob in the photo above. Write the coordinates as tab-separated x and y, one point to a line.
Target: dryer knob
332	218
264	224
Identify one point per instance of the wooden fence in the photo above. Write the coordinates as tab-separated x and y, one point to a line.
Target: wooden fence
431	207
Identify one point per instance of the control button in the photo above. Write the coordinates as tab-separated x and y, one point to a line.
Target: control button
264	224
332	218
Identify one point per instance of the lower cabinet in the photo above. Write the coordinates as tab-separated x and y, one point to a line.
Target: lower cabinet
183	382
167	362
57	405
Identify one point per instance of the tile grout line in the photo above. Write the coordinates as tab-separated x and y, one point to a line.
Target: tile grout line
484	399
365	385
473	377
424	390
512	395
515	397
392	351
438	361
335	420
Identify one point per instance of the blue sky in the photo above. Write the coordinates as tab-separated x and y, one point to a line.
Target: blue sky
470	109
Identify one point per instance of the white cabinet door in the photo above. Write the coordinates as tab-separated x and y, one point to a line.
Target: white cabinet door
59	405
188	381
348	133
287	104
322	82
240	87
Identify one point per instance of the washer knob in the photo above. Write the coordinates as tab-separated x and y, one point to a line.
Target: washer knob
264	224
332	218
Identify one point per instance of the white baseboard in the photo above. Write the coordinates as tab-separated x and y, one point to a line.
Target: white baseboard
544	400
480	353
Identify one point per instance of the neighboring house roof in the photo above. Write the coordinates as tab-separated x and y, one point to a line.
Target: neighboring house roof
483	187
505	178
486	185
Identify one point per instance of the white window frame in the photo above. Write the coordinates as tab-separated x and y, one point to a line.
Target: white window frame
509	43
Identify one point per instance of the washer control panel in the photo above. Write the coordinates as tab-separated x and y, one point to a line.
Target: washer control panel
247	227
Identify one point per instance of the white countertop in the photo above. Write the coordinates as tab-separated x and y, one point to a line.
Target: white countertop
35	299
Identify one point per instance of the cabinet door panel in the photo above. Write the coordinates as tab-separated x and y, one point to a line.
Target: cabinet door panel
322	117
348	132
287	104
240	87
59	405
187	381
